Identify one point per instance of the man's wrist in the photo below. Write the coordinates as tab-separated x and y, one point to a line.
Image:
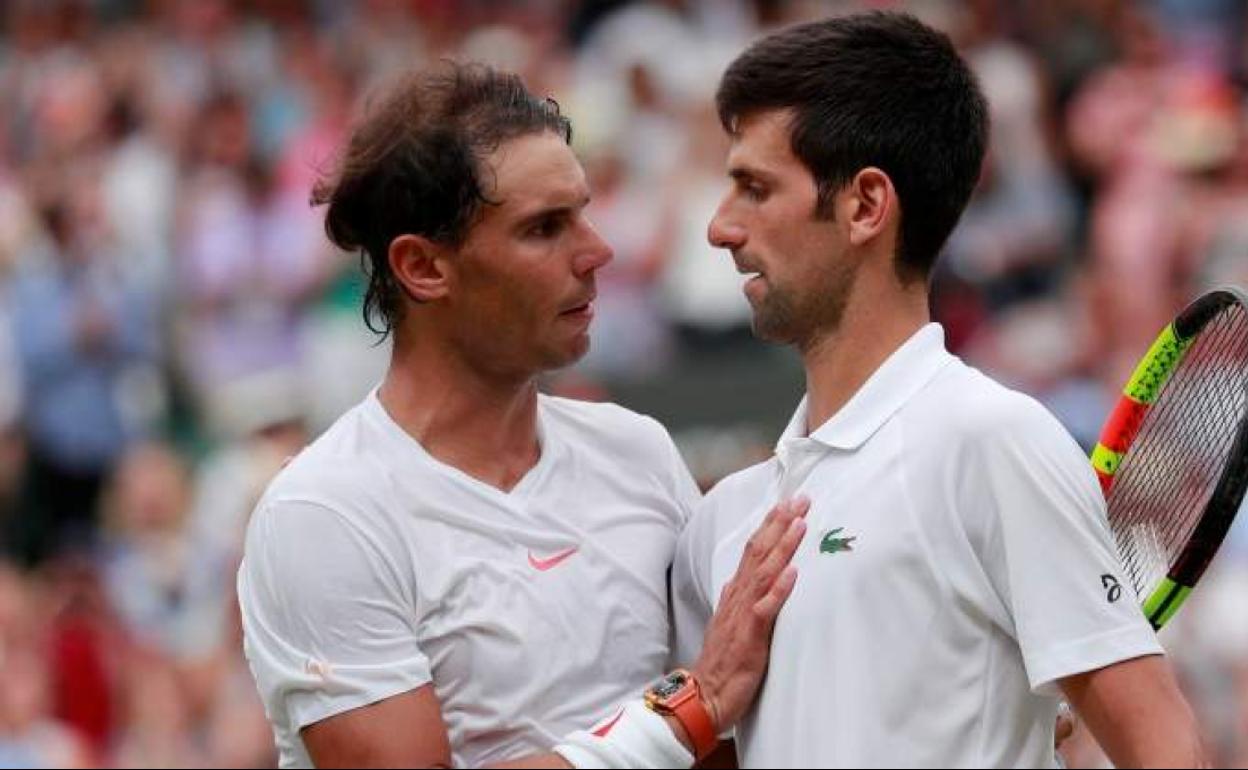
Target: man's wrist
678	697
635	737
709	694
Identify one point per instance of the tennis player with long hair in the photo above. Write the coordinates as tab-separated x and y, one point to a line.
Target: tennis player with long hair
461	570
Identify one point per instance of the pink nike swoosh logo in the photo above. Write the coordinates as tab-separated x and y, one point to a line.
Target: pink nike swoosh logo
601	732
541	565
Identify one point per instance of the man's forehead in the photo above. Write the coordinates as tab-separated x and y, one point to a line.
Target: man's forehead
535	170
762	138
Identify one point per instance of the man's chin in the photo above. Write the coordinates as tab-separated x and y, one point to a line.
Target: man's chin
768	328
567	354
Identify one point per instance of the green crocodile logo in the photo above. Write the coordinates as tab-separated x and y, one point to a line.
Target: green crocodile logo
833	544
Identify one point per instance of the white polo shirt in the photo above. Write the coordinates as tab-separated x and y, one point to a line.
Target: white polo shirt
951	573
372	569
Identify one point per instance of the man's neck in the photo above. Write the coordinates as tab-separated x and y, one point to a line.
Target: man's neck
486	426
838	363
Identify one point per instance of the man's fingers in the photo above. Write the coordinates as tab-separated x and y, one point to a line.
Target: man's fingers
771	547
765	574
761	542
773	528
1065	726
784	549
766	608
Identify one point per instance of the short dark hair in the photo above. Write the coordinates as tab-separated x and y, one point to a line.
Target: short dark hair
414	164
874	89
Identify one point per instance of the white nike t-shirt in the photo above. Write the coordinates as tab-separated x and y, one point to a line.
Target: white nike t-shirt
372	569
956	566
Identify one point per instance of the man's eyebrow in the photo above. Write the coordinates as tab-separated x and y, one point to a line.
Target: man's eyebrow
554	209
743	174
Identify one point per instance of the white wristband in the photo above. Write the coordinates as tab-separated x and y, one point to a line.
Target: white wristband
635	737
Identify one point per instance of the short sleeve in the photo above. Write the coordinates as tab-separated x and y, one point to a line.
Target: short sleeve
684	489
327	619
1049	553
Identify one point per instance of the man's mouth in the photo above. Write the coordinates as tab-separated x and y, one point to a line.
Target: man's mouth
584	308
755	280
746	269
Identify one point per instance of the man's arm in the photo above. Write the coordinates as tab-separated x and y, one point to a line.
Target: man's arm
404	731
1136	712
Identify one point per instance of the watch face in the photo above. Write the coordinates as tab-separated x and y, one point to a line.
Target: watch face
669	686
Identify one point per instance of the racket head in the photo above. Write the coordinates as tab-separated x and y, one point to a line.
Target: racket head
1173	455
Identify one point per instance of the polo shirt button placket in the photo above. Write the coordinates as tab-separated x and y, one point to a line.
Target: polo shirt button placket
797	459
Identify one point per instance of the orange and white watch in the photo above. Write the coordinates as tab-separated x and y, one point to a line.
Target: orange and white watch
677	694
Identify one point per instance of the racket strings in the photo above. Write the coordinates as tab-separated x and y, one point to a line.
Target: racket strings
1190	463
1189	440
1174	464
1191	437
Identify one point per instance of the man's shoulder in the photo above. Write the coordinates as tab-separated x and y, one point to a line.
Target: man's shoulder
607	426
970	422
735	497
753	479
963	402
597	414
337	470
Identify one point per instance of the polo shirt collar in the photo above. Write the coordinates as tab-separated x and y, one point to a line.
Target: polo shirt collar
898	379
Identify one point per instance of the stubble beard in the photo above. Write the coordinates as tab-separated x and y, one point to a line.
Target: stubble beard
803	316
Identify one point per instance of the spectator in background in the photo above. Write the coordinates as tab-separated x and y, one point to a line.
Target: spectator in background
139	189
82	331
30	735
699	294
1120	129
84	649
253	259
187	697
264	427
631	337
12	448
1015	233
157	725
1219	241
168	592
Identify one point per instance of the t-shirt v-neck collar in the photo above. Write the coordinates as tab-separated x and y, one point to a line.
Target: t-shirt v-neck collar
532	479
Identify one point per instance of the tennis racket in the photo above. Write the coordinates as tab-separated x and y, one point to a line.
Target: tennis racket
1173	455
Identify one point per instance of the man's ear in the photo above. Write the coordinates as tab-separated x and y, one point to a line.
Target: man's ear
419	266
870	205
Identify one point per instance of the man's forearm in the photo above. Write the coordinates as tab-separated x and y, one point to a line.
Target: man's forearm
1137	714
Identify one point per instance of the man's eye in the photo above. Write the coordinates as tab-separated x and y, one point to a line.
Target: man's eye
755	192
545	228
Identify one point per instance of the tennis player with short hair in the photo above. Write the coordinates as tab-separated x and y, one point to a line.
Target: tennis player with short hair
461	570
958	573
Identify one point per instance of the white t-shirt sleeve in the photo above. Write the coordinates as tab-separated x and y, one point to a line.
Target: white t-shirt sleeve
1047	547
327	619
685	489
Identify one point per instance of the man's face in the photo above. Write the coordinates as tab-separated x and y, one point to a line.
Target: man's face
801	275
523	280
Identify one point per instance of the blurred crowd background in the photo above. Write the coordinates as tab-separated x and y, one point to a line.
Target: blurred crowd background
173	322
